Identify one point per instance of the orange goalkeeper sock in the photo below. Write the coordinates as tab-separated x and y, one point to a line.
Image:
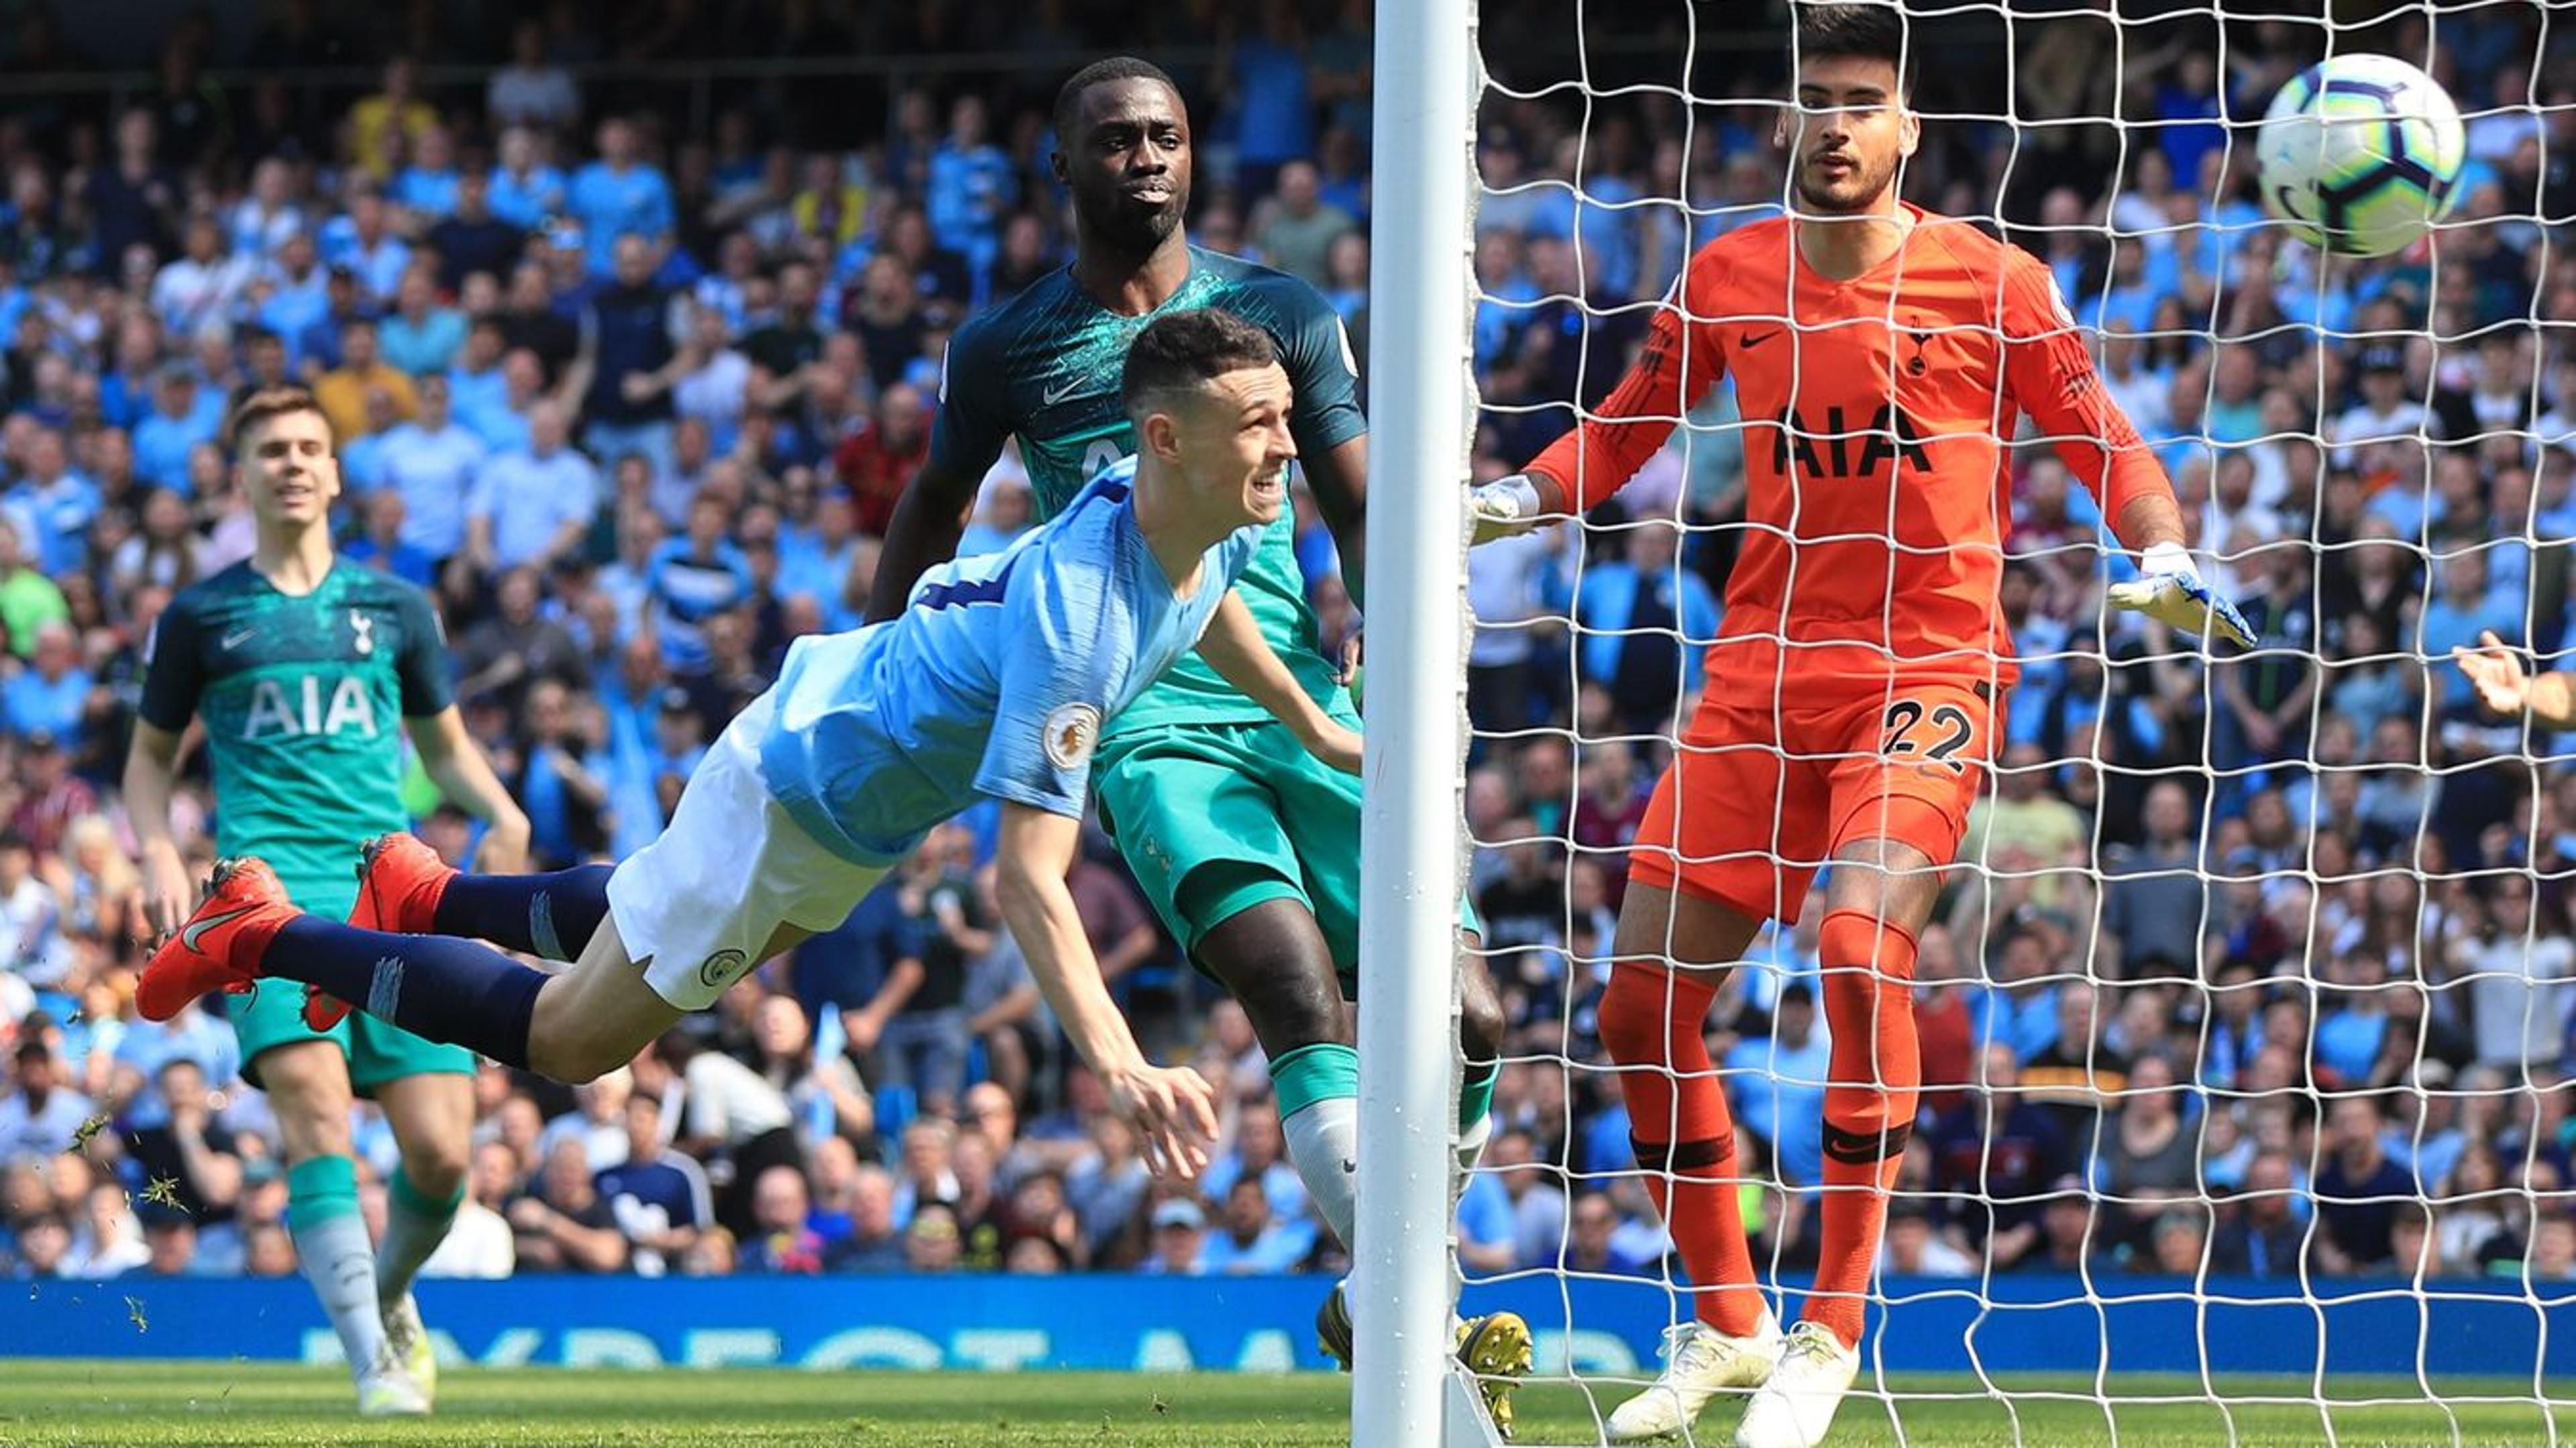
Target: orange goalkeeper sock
1873	1087
1651	1021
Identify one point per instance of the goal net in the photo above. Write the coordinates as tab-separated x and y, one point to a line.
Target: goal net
2244	1015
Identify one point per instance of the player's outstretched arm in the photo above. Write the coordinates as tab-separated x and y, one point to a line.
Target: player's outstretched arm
1234	647
1172	1108
2504	687
2168	587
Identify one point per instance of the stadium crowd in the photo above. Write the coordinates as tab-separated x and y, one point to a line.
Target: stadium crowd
2268	970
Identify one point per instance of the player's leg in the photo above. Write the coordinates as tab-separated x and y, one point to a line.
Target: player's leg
1911	766
404	886
1205	841
1720	850
307	1081
432	1115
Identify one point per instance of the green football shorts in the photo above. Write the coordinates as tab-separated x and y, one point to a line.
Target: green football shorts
272	1015
1217	818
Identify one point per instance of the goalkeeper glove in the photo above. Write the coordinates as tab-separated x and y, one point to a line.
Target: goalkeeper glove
2169	591
1504	508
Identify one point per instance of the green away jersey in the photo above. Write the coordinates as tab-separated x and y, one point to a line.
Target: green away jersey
304	700
1045	367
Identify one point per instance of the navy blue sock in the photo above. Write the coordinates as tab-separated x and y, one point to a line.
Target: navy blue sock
549	916
430	985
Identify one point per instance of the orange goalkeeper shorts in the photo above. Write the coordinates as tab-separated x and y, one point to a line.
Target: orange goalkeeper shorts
1769	783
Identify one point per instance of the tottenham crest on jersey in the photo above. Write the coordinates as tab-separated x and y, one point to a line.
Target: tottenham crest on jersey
362	632
1071	731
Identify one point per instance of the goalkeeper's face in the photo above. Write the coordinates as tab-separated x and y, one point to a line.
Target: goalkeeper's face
286	467
1128	164
1848	135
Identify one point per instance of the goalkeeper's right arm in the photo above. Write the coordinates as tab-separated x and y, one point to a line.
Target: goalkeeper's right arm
1605	450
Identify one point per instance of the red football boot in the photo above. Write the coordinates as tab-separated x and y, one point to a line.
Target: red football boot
219	948
400	881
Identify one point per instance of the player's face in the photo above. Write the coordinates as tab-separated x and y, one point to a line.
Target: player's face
287	468
1847	136
1128	163
1234	445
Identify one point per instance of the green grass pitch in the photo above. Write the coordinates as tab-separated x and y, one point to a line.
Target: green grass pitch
214	1404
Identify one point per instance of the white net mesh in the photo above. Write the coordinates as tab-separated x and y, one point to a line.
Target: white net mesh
2245	1016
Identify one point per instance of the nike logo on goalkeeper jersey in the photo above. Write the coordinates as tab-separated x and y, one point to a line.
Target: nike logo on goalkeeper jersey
1756	339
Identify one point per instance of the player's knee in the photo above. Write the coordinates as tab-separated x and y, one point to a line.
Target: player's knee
437	1168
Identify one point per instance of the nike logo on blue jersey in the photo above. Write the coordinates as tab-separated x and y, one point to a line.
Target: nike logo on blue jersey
236	638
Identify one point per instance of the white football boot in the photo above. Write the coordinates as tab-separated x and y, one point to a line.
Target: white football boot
386	1389
1795	1407
1699	1363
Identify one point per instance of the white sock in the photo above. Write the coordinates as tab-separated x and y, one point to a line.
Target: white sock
414	1226
341	1264
1324	1146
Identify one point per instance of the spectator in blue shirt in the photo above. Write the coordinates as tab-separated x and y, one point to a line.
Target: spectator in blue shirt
363	241
525	191
379	543
421	336
532	506
1778	1085
616	196
2459	609
1644	624
427	187
183	415
693	578
972	186
1274	109
432	462
1250	1240
61	502
49	697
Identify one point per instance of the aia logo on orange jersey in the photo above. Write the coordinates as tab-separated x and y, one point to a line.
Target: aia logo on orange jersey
1834	448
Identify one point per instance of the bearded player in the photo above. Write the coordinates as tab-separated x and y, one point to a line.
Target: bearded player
1249	851
1881	355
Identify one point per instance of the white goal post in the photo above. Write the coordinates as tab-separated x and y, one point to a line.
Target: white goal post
1421	394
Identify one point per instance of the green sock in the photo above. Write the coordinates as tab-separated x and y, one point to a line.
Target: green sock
332	1247
415	1224
1476	1094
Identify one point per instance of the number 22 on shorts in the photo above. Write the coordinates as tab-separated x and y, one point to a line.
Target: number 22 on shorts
1935	735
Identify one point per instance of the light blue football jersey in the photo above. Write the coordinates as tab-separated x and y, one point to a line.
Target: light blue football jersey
995	679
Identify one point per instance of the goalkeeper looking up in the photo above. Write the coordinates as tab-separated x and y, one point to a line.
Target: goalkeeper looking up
1882	356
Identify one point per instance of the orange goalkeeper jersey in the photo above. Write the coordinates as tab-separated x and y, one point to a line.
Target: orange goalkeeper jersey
1877	414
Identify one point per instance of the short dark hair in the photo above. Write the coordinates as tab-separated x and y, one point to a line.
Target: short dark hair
266	403
1188	349
1068	98
1869	31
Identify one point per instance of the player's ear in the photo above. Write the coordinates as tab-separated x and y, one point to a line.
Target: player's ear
1056	163
1161	435
1909	131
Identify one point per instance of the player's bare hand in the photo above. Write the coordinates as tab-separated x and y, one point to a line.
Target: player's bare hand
1336	744
1504	508
2495	673
504	849
168	894
1174	1112
1352	648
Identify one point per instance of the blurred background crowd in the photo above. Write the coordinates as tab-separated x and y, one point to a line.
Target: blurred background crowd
2268	969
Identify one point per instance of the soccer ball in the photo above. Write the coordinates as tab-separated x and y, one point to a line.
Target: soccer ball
2360	154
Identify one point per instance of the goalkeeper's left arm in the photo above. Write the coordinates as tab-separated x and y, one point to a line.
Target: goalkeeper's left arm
2053	380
